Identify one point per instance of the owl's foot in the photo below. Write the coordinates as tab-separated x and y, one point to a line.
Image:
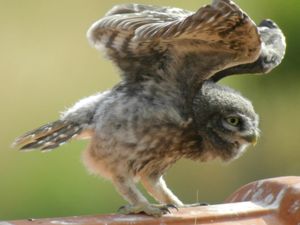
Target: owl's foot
149	209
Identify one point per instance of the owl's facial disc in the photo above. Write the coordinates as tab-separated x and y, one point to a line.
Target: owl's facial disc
230	134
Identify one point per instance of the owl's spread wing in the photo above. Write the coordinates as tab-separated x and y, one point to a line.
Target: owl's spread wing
170	42
272	53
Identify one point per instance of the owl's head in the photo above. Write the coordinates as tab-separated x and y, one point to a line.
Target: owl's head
226	120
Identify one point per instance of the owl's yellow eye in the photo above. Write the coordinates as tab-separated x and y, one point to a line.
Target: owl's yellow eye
234	121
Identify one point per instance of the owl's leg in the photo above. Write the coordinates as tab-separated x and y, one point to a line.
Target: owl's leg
157	187
138	203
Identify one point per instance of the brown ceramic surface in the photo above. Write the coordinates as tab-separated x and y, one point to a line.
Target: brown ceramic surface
272	201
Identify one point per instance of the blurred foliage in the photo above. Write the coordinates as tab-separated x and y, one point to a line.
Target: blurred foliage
47	64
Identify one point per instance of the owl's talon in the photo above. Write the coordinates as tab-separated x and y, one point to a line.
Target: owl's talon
203	204
121	208
195	204
172	206
165	210
151	209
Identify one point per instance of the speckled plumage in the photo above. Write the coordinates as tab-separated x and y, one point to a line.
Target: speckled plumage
174	44
167	105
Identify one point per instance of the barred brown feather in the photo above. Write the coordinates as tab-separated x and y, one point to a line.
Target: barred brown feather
48	136
136	31
272	53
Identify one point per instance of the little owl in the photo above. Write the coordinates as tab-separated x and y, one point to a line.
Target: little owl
167	105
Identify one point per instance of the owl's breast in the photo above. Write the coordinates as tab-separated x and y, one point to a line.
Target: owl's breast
147	151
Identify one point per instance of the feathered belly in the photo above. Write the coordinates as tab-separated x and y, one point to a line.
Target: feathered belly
152	153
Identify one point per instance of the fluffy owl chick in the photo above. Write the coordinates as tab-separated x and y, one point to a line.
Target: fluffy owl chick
163	109
138	130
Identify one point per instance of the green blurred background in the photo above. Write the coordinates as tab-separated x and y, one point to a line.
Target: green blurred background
46	64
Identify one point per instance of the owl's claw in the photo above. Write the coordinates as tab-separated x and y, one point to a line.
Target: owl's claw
195	204
149	209
172	206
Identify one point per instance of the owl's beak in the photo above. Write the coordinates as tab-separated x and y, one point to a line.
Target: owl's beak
252	138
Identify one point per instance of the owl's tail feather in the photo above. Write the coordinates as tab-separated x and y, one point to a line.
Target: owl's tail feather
49	136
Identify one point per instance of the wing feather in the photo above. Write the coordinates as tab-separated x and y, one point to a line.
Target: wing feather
272	53
220	35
